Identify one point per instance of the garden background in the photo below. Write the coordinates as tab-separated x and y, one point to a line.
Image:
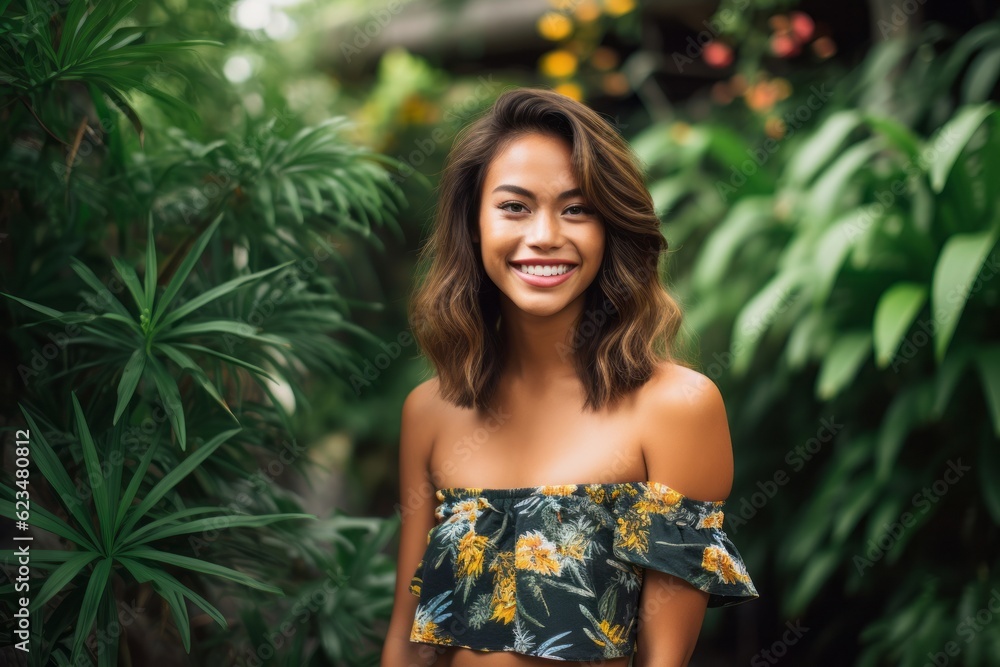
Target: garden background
209	217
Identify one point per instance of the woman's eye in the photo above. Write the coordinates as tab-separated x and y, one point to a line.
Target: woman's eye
578	210
513	207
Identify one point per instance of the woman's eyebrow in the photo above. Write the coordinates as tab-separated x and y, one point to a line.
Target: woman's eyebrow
518	190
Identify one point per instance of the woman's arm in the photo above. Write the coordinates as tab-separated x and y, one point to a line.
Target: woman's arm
416	494
687	446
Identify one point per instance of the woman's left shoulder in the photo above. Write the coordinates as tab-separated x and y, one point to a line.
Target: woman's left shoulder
685	432
675	386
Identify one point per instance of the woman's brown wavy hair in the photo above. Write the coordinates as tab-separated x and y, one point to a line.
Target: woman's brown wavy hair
629	321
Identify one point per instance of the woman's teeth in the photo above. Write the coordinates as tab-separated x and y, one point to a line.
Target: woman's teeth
549	270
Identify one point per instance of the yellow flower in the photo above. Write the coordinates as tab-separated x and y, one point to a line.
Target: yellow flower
717	560
631	535
415	586
572	550
713	520
468	510
659	499
618	7
586	10
471	549
504	600
535	553
427	631
558	489
596	493
616	633
554	26
558	64
570	90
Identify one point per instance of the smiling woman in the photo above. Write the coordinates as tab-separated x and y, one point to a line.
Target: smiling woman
564	474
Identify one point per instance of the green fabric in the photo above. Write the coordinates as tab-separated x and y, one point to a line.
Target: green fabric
555	571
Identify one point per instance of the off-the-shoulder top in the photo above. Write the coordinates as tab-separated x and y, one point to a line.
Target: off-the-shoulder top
555	571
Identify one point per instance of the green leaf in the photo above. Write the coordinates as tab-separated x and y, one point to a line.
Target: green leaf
43	519
172	478
894	314
97	587
131	281
908	409
61	577
842	363
129	381
988	469
95	476
134	483
162	580
218	291
949	141
50	467
149	276
174	286
960	261
988	362
202	566
818	569
188	364
758	315
104	295
225	357
212	523
170	394
821	146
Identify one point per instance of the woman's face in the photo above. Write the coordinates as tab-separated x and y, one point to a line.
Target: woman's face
533	218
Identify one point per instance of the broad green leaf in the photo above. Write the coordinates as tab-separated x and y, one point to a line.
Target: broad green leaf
842	363
749	216
807	584
129	381
830	189
949	141
988	362
821	146
988	469
894	314
982	76
759	314
908	409
957	267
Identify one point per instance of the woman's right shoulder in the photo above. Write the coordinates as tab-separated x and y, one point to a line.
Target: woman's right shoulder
424	397
422	410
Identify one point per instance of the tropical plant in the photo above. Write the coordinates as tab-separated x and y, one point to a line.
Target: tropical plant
234	296
847	268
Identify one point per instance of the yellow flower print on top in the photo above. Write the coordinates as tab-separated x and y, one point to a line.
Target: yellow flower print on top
504	599
713	520
596	492
631	534
557	489
616	633
658	499
471	549
536	553
715	559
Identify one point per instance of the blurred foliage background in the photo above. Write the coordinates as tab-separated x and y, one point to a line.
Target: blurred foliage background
210	211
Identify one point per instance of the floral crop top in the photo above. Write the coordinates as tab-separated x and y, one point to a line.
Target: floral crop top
555	571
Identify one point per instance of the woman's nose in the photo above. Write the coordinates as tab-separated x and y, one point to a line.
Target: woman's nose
543	229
